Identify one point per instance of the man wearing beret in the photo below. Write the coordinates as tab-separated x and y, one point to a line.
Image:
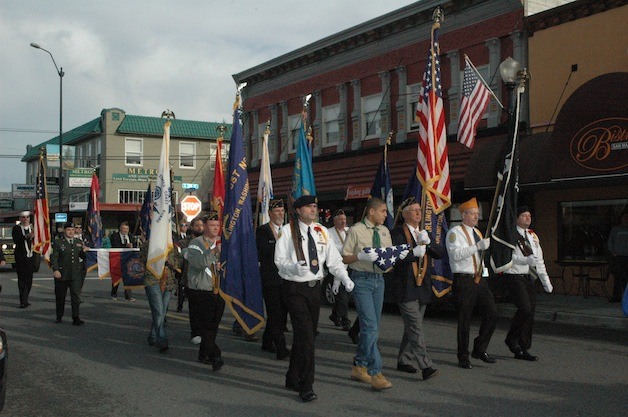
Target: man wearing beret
527	266
22	234
266	235
66	261
301	250
465	246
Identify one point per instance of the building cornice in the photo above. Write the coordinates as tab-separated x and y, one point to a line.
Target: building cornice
570	12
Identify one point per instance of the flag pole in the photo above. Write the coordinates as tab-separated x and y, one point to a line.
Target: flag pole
468	61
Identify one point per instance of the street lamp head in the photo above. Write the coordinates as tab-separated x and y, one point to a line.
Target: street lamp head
509	70
35	45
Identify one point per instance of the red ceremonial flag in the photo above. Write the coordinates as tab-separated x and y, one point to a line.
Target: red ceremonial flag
432	159
41	243
218	193
475	99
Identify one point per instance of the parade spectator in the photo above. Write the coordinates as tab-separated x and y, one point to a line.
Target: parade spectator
121	239
25	259
181	241
340	311
618	246
301	268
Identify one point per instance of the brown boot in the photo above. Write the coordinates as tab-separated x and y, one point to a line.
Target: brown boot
379	382
358	373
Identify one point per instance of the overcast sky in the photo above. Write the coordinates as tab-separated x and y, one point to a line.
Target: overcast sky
144	57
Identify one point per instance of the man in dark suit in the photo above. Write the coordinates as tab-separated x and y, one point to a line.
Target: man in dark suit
273	339
68	254
121	239
24	257
181	241
413	289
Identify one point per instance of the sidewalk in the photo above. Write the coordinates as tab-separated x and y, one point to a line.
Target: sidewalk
592	311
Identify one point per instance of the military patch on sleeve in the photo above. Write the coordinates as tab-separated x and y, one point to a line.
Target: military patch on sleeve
452	237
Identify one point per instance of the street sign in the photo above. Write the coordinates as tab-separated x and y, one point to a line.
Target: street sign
78	206
191	206
61	217
190	186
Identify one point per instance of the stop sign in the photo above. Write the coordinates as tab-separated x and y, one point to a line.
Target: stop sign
191	206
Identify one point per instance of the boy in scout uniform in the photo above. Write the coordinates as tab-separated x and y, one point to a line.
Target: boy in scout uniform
66	260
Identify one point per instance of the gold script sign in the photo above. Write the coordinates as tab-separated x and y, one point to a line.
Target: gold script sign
602	145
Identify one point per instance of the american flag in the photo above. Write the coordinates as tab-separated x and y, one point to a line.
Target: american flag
386	257
41	216
475	99
432	159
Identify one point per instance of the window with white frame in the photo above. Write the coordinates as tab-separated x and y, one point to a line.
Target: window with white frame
331	127
371	116
98	151
187	155
413	92
137	196
79	156
212	155
89	149
133	151
294	123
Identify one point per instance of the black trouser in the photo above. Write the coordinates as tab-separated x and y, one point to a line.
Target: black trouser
523	295
276	317
180	296
468	295
114	291
620	274
61	290
25	269
304	303
207	307
340	310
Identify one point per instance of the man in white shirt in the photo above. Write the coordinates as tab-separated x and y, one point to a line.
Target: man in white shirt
466	246
338	233
302	247
527	266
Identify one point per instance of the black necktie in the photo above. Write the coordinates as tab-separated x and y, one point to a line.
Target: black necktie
311	250
476	237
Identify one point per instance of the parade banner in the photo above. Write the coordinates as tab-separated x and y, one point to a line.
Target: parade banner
120	265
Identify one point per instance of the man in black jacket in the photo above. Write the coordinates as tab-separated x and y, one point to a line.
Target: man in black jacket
413	289
24	257
273	339
121	239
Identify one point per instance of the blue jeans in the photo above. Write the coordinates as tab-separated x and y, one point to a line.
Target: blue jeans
158	302
368	296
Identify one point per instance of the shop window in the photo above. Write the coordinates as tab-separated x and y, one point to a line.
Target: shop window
371	116
133	151
187	155
137	196
331	131
584	227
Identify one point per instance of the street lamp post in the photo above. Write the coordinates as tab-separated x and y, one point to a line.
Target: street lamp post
61	74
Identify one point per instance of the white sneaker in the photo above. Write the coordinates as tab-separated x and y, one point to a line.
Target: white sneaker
114	298
130	299
196	340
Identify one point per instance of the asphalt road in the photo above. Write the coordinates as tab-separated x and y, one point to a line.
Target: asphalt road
106	368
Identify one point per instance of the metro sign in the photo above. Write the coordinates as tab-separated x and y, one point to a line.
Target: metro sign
191	206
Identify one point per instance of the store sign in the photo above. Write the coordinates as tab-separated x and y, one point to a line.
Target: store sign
6	204
144	175
78	205
23	191
80	177
61	217
6	195
357	192
602	145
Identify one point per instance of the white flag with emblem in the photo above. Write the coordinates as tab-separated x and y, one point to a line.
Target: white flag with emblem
160	242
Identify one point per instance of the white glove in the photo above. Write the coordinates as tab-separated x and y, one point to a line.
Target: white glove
424	238
403	254
349	285
300	269
346	282
370	256
335	286
484	244
547	284
419	251
531	260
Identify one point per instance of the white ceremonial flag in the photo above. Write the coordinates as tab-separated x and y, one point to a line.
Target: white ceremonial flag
160	242
265	185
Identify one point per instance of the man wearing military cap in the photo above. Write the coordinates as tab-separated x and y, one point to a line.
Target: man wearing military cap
25	259
273	339
465	246
66	261
302	247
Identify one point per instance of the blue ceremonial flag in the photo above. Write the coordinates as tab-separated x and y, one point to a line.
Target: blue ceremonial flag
382	188
386	257
436	226
240	286
303	176
147	209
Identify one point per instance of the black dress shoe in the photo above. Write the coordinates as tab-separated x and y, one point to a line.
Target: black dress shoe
465	364
28	304
251	337
77	322
406	368
205	360
163	349
217	363
269	348
516	349
526	356
429	373
346	326
307	396
58	320
283	353
337	322
484	357
23	306
292	386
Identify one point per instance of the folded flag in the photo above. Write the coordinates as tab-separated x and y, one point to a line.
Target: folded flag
386	257
120	265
